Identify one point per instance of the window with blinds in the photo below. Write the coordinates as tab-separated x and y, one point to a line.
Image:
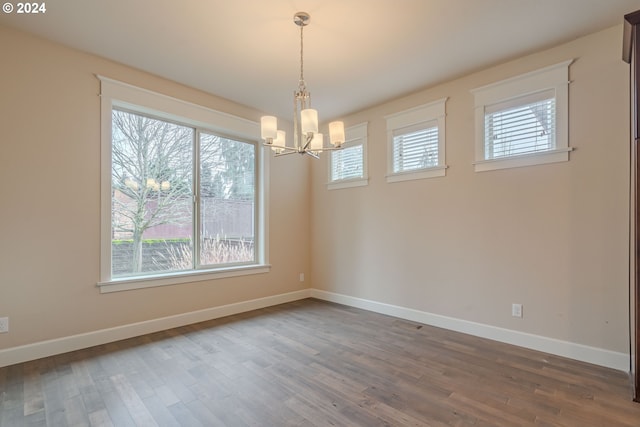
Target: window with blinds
348	166
347	163
416	142
524	126
523	120
415	148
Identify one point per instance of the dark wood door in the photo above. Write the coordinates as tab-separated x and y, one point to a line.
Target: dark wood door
630	54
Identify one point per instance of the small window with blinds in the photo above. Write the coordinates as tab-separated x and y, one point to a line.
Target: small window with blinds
415	148
523	120
524	126
347	163
415	142
348	166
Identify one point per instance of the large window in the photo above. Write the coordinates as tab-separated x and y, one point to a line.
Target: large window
416	142
348	166
523	121
184	197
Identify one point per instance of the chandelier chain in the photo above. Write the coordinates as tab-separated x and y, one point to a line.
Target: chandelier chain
301	83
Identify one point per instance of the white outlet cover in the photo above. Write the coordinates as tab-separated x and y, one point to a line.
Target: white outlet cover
4	324
516	310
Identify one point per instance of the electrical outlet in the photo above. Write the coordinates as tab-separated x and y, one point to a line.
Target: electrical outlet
302	277
4	324
516	310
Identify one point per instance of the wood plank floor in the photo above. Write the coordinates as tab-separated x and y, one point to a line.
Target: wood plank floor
312	363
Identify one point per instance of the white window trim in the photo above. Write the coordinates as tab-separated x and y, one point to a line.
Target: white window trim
433	111
554	77
354	135
119	94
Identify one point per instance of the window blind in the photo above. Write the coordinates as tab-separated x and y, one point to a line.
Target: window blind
347	163
523	126
415	149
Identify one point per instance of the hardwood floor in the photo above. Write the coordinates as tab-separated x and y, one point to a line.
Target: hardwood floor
312	363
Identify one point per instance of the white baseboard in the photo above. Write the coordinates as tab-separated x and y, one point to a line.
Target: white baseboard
594	355
40	349
598	356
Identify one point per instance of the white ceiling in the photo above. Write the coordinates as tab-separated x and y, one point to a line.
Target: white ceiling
357	52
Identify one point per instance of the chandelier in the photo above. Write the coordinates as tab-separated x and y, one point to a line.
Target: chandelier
306	139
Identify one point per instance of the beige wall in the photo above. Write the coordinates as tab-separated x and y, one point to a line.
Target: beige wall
50	210
552	237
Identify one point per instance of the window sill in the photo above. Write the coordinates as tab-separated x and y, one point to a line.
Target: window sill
337	185
142	282
434	172
541	158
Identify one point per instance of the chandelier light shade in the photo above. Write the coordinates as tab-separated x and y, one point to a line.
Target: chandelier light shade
280	141
268	127
336	133
309	119
306	137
